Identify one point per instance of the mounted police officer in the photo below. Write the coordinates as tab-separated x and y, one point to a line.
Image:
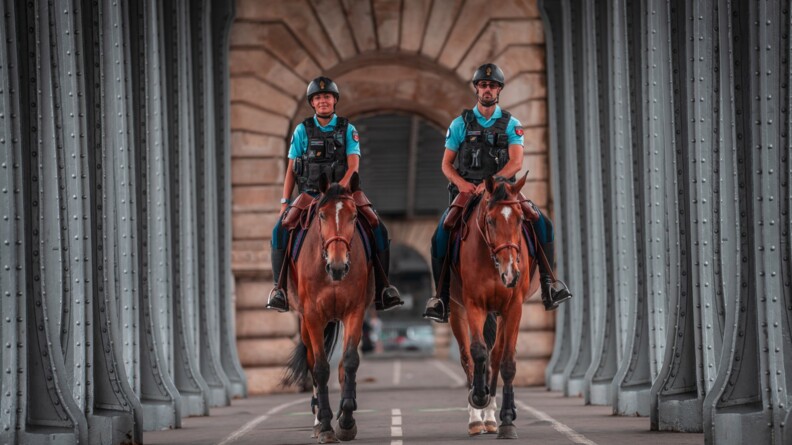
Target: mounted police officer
484	142
325	144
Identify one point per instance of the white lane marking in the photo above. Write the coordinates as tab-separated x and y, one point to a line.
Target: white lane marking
506	211
396	422
339	206
253	423
558	426
447	371
396	373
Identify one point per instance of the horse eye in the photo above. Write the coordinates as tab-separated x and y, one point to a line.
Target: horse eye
491	221
321	216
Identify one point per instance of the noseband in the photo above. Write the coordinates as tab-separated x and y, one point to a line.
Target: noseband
484	234
337	237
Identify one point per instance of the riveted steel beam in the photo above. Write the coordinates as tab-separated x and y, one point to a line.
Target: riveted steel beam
222	13
617	187
206	204
555	16
184	232
160	400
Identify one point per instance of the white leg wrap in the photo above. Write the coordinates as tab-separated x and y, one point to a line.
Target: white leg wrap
489	411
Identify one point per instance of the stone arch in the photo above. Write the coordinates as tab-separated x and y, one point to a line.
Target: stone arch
387	56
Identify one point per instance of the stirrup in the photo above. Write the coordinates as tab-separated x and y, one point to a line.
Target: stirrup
559	287
385	303
432	313
276	303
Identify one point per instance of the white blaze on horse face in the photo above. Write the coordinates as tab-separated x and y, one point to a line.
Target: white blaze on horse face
339	206
506	211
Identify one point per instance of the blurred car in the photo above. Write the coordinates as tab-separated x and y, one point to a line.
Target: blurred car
417	338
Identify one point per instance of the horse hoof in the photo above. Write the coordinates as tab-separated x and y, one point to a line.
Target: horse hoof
316	430
507	432
475	428
347	434
491	427
328	437
476	402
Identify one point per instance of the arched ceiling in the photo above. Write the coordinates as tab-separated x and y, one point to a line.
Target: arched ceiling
386	55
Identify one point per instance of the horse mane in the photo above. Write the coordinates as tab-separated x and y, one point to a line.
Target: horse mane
333	192
499	194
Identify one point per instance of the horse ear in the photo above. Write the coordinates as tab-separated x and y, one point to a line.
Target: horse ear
354	182
489	184
520	183
324	183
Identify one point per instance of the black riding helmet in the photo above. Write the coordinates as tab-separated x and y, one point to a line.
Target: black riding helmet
322	85
491	72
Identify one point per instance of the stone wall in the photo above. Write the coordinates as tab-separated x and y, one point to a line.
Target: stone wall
411	56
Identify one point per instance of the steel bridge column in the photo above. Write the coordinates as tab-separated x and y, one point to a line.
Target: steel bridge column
159	397
557	20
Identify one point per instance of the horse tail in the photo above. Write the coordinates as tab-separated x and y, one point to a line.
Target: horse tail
490	329
297	366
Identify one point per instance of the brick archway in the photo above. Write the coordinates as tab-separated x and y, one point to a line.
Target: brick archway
386	56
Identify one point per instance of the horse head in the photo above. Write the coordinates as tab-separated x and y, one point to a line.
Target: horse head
337	217
501	226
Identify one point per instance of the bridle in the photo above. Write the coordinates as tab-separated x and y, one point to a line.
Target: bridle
485	233
326	243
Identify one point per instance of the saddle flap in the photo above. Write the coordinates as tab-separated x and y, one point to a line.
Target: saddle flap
530	213
456	210
298	212
365	208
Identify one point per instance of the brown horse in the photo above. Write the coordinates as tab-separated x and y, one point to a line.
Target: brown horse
493	278
334	283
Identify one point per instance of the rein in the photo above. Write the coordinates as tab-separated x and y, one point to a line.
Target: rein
484	233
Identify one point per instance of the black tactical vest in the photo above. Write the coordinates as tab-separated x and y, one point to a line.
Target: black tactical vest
326	154
484	151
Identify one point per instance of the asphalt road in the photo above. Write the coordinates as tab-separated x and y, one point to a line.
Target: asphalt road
415	401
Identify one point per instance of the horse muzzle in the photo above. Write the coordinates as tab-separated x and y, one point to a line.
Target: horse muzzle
337	271
510	279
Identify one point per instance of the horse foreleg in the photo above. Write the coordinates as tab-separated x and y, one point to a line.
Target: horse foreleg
479	395
306	339
459	327
353	327
508	367
321	375
496	355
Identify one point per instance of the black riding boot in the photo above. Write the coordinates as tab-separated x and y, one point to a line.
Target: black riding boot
277	298
387	296
553	294
437	307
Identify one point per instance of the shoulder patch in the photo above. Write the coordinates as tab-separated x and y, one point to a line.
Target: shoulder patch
518	130
355	136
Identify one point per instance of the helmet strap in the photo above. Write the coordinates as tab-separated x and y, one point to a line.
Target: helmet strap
488	103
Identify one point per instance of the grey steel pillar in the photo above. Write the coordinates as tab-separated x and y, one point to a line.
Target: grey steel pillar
617	193
750	398
102	307
563	142
195	393
159	397
222	15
